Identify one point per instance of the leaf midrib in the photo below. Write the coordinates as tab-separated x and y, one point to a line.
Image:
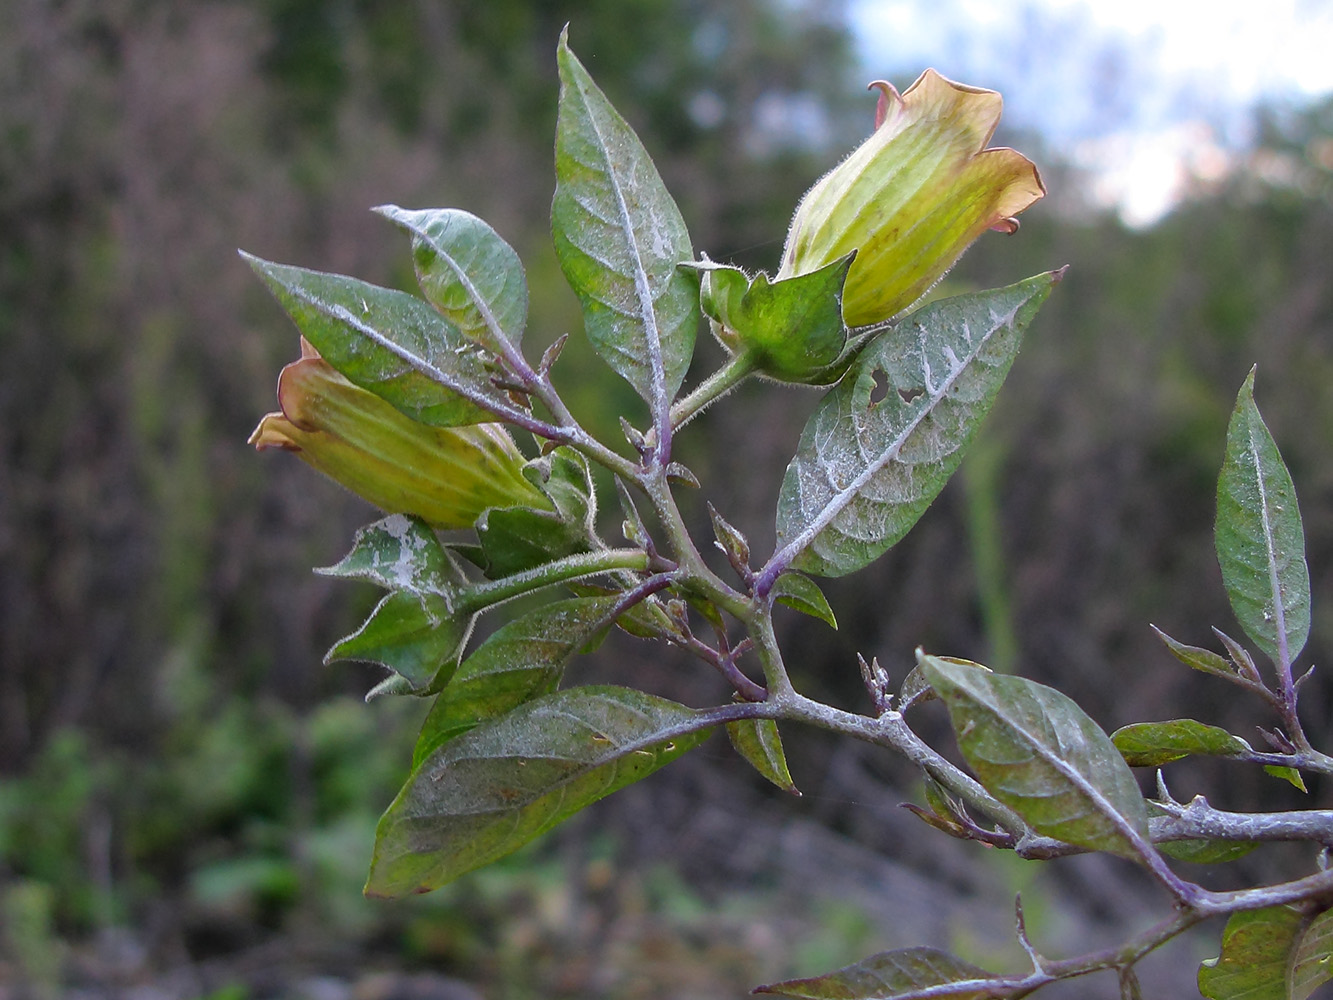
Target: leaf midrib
845	496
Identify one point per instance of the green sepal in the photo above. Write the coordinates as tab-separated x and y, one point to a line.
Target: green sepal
792	328
514	539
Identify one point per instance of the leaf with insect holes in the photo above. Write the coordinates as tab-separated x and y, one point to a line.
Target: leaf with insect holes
891	974
882	444
389	343
1259	536
619	238
497	786
1036	751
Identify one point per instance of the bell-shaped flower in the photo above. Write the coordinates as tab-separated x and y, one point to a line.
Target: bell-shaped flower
446	475
912	197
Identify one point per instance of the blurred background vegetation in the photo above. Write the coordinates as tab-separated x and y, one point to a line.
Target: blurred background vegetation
187	797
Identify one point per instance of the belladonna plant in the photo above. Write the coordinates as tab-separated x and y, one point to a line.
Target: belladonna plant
416	403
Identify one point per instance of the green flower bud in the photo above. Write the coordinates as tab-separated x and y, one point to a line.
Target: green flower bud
912	197
446	475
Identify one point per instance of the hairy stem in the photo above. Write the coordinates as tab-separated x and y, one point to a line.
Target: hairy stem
485	595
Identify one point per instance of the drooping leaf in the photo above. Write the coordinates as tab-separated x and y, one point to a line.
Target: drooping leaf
468	272
399	552
757	740
803	594
388	342
1287	774
1253	963
891	974
1260	540
520	661
1196	657
619	236
882	444
499	785
1312	958
793	328
1151	744
419	637
1036	751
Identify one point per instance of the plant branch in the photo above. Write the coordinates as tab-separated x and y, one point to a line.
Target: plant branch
480	596
711	389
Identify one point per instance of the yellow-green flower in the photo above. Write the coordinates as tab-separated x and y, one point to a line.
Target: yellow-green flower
912	197
446	475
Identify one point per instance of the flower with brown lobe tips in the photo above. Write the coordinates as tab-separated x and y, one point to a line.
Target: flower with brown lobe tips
445	475
912	197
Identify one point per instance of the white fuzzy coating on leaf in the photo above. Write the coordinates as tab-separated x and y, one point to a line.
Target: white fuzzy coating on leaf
884	442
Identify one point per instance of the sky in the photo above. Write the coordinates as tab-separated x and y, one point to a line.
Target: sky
1143	93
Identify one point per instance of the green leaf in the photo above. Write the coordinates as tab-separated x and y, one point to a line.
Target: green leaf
1288	774
793	327
619	236
399	552
499	785
882	444
468	273
891	974
1312	958
1260	540
1197	657
387	342
1036	751
1151	744
1253	963
757	740
803	594
521	660
419	637
514	539
1207	852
